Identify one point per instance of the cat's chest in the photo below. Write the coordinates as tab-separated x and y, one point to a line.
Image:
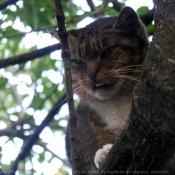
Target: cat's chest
113	113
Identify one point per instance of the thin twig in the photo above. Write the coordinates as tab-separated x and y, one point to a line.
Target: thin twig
24	33
117	5
19	100
55	155
63	34
146	18
93	8
74	19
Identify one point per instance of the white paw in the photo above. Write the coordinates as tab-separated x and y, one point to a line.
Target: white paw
101	154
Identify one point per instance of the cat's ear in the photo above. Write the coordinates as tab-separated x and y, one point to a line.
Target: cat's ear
71	33
54	33
128	21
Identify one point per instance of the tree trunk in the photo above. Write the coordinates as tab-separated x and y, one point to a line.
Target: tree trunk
148	141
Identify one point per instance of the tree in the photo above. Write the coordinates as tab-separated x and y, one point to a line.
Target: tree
17	116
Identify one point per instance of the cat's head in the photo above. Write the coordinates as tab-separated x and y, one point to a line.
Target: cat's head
106	56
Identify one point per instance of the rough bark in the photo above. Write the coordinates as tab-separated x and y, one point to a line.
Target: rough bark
148	141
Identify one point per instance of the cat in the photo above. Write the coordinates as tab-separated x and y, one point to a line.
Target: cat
106	59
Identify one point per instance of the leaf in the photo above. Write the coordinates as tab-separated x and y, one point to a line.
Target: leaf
142	10
62	171
150	27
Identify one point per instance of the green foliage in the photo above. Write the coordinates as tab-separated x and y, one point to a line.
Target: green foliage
142	10
150	27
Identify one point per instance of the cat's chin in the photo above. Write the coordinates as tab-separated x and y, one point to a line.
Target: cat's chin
109	91
105	91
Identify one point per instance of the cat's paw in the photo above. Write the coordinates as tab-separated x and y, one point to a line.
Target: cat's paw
101	154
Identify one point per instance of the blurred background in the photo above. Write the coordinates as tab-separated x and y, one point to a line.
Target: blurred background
32	80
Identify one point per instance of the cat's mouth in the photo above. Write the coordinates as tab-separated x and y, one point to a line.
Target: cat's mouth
103	86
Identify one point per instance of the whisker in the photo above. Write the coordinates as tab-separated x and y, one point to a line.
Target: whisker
122	85
74	85
115	65
129	70
128	77
139	65
77	89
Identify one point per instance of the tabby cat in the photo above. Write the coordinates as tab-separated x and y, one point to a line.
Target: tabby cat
106	59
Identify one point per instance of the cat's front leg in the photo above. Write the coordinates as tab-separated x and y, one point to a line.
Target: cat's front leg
101	155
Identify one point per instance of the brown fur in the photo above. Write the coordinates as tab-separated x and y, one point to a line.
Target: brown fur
128	35
109	53
89	44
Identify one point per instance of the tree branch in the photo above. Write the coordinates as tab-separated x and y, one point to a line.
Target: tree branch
10	131
93	8
63	34
19	99
146	18
24	33
117	5
29	56
74	19
33	138
46	149
5	4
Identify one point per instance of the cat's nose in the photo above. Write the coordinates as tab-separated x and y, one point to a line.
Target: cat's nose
93	75
92	71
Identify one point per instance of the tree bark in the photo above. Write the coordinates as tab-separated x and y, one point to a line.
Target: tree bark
148	141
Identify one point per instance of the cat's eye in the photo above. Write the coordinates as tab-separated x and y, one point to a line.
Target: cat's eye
108	52
79	62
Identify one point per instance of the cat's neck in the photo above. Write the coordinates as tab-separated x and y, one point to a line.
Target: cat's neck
113	112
